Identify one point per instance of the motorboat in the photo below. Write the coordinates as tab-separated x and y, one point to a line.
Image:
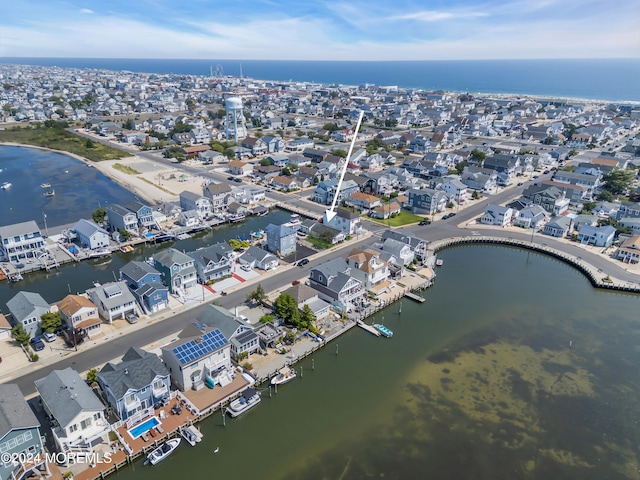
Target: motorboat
285	375
249	398
101	252
45	185
384	331
5	185
50	193
163	451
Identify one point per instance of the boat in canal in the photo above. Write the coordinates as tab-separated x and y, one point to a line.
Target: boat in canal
101	252
249	398
50	193
163	451
384	331
285	375
45	185
5	185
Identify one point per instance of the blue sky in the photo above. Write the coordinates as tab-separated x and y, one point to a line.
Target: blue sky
321	29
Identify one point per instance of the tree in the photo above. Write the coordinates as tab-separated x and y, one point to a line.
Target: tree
92	376
618	181
89	143
286	307
460	166
587	207
20	335
126	235
266	319
238	244
475	195
99	215
257	296
307	317
338	152
265	162
229	153
330	127
128	124
478	156
286	172
49	322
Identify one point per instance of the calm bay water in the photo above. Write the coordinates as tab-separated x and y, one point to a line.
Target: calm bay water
514	367
601	79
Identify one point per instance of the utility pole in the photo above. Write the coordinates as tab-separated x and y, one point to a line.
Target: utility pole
46	230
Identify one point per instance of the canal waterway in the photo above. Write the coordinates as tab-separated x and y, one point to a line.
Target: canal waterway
513	367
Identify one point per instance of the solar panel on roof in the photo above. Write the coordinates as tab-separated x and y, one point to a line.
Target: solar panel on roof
192	350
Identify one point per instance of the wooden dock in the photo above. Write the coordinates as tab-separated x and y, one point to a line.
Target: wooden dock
414	297
368	328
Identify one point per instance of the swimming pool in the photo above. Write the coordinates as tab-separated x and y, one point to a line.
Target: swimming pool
144	427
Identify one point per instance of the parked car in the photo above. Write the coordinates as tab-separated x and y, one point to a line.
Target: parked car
237	180
425	222
49	337
231	179
303	262
36	344
131	318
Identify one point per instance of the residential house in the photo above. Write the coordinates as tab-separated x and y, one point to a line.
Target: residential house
144	214
597	236
199	352
367	267
176	268
212	262
189	219
27	308
584	219
238	167
242	338
345	221
326	190
632	223
501	163
418	245
426	201
192	202
255	145
80	313
288	183
551	198
136	384
145	282
589	182
497	215
200	135
532	216
20	241
324	232
77	411
605	209
90	235
334	283
387	210
629	251
402	251
475	180
281	239
120	218
628	210
218	194
114	300
20	437
256	257
305	295
558	227
456	190
363	201
274	143
299	145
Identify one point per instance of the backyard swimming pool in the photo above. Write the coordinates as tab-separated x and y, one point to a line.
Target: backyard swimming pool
144	427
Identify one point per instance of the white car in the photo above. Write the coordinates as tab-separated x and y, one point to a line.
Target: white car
49	337
245	267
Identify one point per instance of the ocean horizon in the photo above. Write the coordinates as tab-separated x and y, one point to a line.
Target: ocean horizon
612	80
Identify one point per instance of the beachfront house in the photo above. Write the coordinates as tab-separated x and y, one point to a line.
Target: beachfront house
367	266
136	384
78	312
219	194
281	239
199	352
27	308
402	252
242	338
190	201
77	411
20	241
629	251
305	295
144	214
145	282
189	219
90	235
120	218
418	245
20	437
177	269
212	262
114	300
334	283
256	257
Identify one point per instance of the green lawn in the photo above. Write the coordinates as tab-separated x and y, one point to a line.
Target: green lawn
403	218
60	139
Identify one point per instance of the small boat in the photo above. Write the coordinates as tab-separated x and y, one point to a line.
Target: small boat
192	435
384	331
5	185
439	262
250	398
50	193
126	248
183	236
163	451
285	375
45	185
101	252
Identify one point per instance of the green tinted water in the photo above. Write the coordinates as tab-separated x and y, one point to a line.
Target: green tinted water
514	367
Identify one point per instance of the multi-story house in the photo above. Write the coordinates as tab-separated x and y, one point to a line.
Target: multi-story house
212	262
598	236
218	194
418	245
242	338
456	190
345	221
281	239
78	312
426	200
120	218
145	282
144	214
326	190
20	241
136	384
20	437
363	201
629	251
27	309
256	257
199	352
78	412
190	201
497	215
90	235
114	300
176	268
334	284
367	267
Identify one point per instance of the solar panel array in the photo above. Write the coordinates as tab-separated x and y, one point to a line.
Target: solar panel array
192	350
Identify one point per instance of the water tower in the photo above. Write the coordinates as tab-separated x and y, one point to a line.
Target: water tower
234	123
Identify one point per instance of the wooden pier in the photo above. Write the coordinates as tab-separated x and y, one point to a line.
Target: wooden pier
368	328
414	297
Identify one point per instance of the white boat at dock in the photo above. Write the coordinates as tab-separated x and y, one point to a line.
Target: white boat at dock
163	451
249	398
384	331
183	236
101	252
285	375
192	435
439	262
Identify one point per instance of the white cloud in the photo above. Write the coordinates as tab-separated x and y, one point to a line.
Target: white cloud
437	16
85	10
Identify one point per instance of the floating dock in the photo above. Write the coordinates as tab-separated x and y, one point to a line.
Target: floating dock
368	328
414	297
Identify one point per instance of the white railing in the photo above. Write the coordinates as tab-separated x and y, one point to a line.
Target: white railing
139	416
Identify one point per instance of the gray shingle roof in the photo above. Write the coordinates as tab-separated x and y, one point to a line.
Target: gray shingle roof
137	370
23	304
136	270
17	229
66	395
14	410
